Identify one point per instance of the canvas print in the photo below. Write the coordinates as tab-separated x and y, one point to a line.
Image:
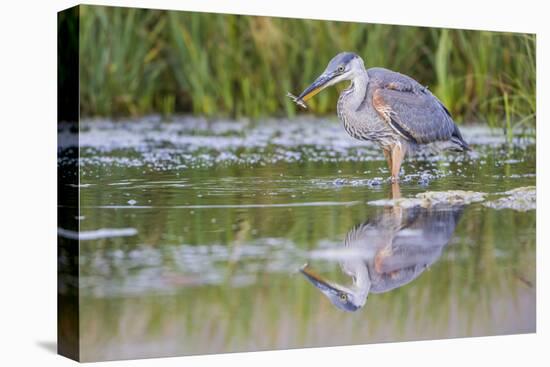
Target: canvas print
233	183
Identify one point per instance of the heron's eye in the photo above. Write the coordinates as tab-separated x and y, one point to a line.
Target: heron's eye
341	68
343	297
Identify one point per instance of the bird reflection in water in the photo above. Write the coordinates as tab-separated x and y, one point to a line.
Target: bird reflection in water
388	251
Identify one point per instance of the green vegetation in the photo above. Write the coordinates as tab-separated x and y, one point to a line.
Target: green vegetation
136	62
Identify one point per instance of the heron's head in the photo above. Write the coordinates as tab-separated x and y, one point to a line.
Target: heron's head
344	66
340	296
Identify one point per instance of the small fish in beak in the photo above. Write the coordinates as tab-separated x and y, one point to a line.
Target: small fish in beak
318	85
296	100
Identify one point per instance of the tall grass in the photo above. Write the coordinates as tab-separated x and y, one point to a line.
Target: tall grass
120	66
138	61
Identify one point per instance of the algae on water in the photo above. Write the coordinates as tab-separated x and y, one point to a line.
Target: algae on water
521	198
431	198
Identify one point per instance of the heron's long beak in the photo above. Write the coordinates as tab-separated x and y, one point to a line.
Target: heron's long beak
318	85
318	281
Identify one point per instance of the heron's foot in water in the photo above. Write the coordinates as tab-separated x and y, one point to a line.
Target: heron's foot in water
395	190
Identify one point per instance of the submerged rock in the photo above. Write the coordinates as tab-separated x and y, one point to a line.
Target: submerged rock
522	199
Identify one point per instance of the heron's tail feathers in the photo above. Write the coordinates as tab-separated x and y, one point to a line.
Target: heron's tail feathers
459	141
460	144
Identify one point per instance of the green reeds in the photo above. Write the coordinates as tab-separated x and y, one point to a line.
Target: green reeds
120	63
136	62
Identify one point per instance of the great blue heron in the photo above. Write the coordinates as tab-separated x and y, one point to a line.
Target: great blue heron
386	107
388	252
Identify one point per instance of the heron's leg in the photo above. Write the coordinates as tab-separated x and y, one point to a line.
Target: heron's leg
395	190
397	155
387	154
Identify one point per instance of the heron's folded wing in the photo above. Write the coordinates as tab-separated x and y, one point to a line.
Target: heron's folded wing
418	116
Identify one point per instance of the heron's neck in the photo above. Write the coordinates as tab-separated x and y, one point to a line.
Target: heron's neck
357	91
361	281
362	284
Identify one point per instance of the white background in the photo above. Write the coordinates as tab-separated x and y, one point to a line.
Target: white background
28	181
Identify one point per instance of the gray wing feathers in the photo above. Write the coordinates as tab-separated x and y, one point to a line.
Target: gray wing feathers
410	109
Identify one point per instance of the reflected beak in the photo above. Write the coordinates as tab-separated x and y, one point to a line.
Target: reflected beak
317	281
339	296
318	85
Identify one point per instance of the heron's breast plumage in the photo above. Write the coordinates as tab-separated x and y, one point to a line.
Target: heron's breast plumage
360	120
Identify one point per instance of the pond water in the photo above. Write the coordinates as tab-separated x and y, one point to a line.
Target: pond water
207	237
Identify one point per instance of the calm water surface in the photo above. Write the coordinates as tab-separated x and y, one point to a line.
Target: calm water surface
194	234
